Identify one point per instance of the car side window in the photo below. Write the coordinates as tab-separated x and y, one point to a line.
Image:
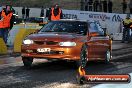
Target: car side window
92	27
99	27
95	28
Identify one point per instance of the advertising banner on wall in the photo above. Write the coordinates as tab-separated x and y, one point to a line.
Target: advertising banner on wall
111	21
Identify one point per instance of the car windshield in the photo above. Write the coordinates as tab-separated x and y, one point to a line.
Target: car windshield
94	27
66	26
39	20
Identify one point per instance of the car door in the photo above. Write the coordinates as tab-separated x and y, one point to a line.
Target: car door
97	42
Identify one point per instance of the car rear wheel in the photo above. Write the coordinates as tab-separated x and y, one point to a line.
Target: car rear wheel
107	56
27	61
83	56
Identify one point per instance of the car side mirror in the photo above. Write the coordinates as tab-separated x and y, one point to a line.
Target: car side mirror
93	34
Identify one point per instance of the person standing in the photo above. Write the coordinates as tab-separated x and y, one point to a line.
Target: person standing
42	12
27	13
86	5
6	21
96	4
55	13
124	6
48	12
130	6
100	6
23	13
126	30
110	5
105	6
13	18
90	4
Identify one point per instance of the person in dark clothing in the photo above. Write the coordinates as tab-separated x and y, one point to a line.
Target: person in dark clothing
110	5
55	13
23	12
90	4
13	10
48	12
130	6
27	13
124	6
86	8
13	17
12	21
96	4
100	6
42	12
105	6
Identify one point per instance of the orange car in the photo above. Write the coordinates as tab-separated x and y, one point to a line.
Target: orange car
73	40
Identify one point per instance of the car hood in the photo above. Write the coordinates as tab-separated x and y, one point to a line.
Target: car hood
54	37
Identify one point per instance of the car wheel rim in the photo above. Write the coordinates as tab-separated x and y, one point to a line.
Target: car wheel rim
108	56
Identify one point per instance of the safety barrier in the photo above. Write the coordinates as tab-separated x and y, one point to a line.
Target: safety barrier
22	33
13	32
19	32
3	47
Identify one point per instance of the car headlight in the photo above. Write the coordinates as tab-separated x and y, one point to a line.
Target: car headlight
27	41
67	44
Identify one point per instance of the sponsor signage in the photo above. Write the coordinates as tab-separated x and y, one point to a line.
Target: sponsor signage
107	78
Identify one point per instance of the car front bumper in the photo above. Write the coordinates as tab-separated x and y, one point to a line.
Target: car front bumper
68	53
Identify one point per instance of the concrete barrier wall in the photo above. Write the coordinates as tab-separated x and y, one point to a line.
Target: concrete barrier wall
16	28
3	47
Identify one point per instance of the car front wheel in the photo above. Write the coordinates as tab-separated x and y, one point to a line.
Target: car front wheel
107	56
84	56
27	61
